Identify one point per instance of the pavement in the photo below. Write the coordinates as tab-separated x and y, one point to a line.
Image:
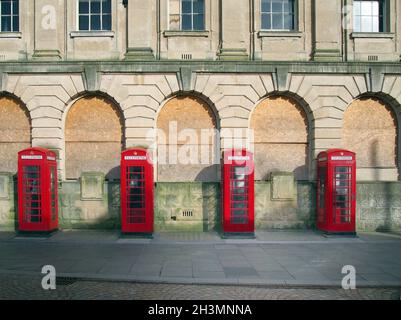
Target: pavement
28	288
275	259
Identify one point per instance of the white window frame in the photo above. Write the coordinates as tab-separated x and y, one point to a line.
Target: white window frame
191	14
90	14
295	17
381	19
12	15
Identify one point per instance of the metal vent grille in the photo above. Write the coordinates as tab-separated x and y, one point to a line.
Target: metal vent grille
186	56
187	213
373	58
65	281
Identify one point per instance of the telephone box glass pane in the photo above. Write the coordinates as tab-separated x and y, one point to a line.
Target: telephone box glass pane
135	195
342	195
31	194
239	195
53	184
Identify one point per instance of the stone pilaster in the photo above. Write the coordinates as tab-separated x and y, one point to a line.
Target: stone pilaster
327	30
49	30
141	30
234	43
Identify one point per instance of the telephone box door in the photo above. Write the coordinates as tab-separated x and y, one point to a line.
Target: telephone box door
137	192
37	190
238	192
336	200
343	198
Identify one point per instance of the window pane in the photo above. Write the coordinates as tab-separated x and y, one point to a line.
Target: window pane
106	6
375	8
106	22
16	7
16	23
95	22
357	8
5	7
288	6
366	24
83	7
375	24
277	21
199	22
266	21
199	6
357	23
83	22
6	24
277	6
366	8
288	22
95	6
186	23
186	6
266	5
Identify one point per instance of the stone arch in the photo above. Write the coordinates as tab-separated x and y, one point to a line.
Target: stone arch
282	137
197	155
94	137
15	131
371	130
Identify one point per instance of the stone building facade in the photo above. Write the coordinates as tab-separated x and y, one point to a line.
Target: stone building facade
286	78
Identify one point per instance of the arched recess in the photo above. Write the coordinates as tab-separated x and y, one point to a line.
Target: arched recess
281	137
370	129
15	132
93	137
188	146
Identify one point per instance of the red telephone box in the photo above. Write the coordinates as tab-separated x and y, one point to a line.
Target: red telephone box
336	190
137	192
37	190
238	192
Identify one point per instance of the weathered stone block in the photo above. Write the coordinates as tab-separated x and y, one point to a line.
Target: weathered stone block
283	186
5	185
92	185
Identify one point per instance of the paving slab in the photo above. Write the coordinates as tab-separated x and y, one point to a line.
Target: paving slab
306	258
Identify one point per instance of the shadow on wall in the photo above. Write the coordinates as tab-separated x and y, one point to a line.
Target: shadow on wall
211	198
386	226
16	208
209	174
113	174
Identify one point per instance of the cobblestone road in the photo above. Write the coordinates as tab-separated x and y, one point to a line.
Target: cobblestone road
23	287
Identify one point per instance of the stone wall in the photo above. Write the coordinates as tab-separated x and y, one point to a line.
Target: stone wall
141	30
196	206
379	206
15	132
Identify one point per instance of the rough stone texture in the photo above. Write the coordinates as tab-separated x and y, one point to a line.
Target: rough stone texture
76	213
93	138
189	123
370	130
291	214
379	206
201	198
92	186
15	132
283	186
281	138
7	201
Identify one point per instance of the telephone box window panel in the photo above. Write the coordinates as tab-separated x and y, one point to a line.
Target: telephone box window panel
137	192
336	188
37	190
238	192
